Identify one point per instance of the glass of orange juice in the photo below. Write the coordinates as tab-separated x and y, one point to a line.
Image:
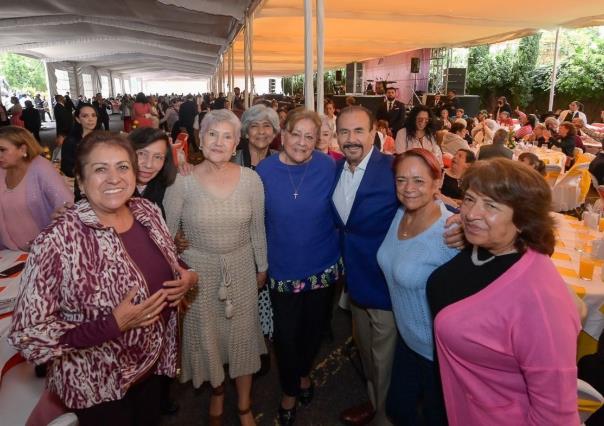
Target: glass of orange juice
586	267
601	224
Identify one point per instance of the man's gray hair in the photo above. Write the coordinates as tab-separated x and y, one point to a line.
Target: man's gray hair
219	116
259	112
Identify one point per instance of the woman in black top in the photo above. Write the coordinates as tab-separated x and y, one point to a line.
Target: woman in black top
86	121
156	169
451	187
506	217
565	140
259	125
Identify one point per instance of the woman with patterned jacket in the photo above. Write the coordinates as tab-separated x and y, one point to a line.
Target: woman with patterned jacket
100	292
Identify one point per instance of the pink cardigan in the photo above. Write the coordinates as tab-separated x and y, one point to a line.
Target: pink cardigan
508	353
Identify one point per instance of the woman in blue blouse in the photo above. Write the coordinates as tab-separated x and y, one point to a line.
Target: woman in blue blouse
412	249
303	254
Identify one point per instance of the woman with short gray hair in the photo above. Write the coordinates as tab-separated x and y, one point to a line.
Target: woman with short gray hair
220	207
259	126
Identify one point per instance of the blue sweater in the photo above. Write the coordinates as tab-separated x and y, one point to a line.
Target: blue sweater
407	264
301	235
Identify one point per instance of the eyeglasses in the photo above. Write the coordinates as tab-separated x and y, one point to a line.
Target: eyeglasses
145	155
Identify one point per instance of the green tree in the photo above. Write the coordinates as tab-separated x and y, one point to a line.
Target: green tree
22	73
490	75
524	64
506	73
581	75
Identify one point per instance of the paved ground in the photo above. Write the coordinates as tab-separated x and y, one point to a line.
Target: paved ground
337	381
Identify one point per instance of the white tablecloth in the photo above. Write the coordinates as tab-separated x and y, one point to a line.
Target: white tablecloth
566	259
20	389
549	156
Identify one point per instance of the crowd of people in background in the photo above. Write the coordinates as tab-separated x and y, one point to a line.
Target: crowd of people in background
442	241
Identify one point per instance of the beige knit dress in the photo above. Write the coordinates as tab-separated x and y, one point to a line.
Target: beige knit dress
226	242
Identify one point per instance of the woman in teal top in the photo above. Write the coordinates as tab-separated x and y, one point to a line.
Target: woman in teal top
412	249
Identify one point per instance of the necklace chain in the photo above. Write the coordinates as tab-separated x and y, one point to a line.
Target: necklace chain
296	194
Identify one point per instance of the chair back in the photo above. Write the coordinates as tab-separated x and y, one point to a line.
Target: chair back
584	157
567	193
589	399
552	172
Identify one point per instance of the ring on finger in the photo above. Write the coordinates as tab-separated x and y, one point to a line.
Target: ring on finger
148	316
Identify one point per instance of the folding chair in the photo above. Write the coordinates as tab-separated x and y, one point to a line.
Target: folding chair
589	400
583	158
552	172
570	192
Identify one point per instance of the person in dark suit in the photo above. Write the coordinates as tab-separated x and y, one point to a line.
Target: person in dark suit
31	119
101	110
502	106
63	117
392	111
68	103
498	148
186	118
451	103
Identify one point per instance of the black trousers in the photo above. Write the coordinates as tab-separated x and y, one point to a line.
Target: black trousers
139	407
414	379
299	322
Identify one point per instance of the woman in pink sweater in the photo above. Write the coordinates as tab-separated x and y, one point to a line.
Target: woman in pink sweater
505	324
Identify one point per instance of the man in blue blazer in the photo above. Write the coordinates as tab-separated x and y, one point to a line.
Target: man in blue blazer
365	202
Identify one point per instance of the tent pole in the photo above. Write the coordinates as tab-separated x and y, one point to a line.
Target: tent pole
51	85
77	82
246	64
221	77
309	92
251	58
232	64
233	67
552	90
229	87
320	54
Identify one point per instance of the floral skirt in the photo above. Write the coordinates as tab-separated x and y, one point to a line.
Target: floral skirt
316	281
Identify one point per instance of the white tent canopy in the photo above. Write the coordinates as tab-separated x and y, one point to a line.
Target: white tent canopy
357	30
184	39
165	39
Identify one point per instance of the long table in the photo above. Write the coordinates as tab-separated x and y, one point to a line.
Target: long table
20	389
569	233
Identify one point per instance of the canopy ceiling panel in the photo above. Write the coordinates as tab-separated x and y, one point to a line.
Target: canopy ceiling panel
146	38
357	30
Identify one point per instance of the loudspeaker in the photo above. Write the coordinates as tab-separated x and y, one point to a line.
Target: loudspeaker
414	65
455	78
354	78
339	75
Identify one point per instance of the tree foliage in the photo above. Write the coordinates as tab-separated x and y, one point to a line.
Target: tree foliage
490	74
582	74
505	73
22	73
524	64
